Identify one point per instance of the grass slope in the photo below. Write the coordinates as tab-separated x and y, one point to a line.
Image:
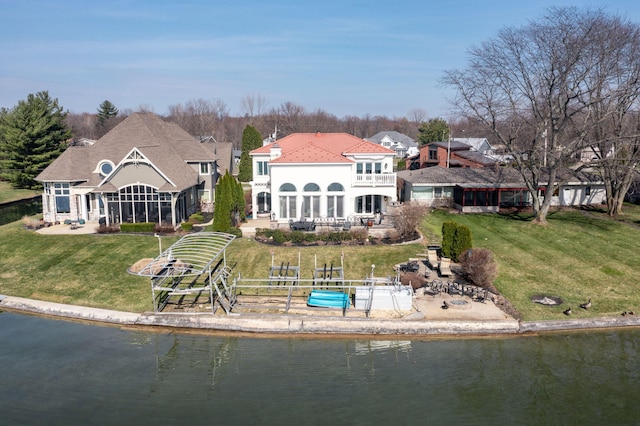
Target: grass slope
577	256
8	194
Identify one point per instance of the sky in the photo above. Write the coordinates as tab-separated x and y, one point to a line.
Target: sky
348	58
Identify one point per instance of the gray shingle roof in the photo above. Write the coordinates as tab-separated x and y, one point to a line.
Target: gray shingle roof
395	136
488	177
167	146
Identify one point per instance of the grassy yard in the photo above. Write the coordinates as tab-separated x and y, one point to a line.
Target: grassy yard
577	256
7	193
90	270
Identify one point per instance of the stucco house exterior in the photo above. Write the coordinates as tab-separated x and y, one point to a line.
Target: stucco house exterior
402	144
316	176
143	170
487	190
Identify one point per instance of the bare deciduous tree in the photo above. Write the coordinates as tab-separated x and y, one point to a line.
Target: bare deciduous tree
410	215
532	88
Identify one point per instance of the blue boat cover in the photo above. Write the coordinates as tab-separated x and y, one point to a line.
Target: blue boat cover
328	299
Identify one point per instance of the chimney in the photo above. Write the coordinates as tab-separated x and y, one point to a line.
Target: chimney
275	151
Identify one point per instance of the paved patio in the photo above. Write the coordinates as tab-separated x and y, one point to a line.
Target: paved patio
87	228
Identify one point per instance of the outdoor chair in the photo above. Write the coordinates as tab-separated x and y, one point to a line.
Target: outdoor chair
432	259
445	267
346	226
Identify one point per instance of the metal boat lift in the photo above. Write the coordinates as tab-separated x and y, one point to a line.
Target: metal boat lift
326	276
194	265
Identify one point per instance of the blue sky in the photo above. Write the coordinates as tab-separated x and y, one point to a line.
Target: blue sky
345	57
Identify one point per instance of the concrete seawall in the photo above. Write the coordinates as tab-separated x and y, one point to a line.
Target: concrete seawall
288	325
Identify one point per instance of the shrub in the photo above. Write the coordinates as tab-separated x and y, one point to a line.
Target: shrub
234	231
186	226
164	228
448	234
140	227
415	280
411	213
479	266
110	229
461	241
455	239
196	218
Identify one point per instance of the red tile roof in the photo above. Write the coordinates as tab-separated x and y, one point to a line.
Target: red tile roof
321	148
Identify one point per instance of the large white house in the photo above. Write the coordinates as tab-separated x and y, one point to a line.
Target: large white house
315	176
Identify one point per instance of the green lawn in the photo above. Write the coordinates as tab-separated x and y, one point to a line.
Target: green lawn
579	255
7	193
91	270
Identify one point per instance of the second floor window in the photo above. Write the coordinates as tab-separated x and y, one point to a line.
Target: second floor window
204	168
263	168
368	168
433	153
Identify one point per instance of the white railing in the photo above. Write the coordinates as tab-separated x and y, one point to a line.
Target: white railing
386	179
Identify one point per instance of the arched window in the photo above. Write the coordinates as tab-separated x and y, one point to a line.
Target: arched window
287	187
288	208
311	187
311	203
264	202
335	187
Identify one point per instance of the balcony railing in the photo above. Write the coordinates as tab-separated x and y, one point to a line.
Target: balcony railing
385	179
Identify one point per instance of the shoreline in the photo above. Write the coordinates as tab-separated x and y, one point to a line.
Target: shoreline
264	325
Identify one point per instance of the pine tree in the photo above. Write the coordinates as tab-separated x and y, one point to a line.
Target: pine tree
106	111
32	135
251	140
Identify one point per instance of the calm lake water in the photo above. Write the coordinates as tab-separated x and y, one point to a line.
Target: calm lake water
65	373
15	211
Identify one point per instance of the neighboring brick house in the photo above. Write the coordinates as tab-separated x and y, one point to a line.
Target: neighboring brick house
143	170
449	154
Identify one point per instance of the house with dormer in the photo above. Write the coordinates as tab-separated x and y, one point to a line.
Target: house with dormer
402	144
316	176
144	170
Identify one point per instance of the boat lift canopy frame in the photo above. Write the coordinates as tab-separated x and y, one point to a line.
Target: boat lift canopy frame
194	255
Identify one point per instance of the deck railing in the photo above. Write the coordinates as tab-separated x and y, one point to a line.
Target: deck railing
385	179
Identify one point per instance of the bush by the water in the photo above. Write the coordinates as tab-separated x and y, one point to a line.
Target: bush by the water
479	266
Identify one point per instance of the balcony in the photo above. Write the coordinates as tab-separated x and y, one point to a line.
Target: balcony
385	179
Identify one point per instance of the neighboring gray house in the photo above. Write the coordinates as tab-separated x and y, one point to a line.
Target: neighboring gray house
486	190
402	144
143	170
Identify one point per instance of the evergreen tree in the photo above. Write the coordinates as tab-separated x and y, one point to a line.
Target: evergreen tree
224	204
434	130
106	111
251	140
238	200
32	135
